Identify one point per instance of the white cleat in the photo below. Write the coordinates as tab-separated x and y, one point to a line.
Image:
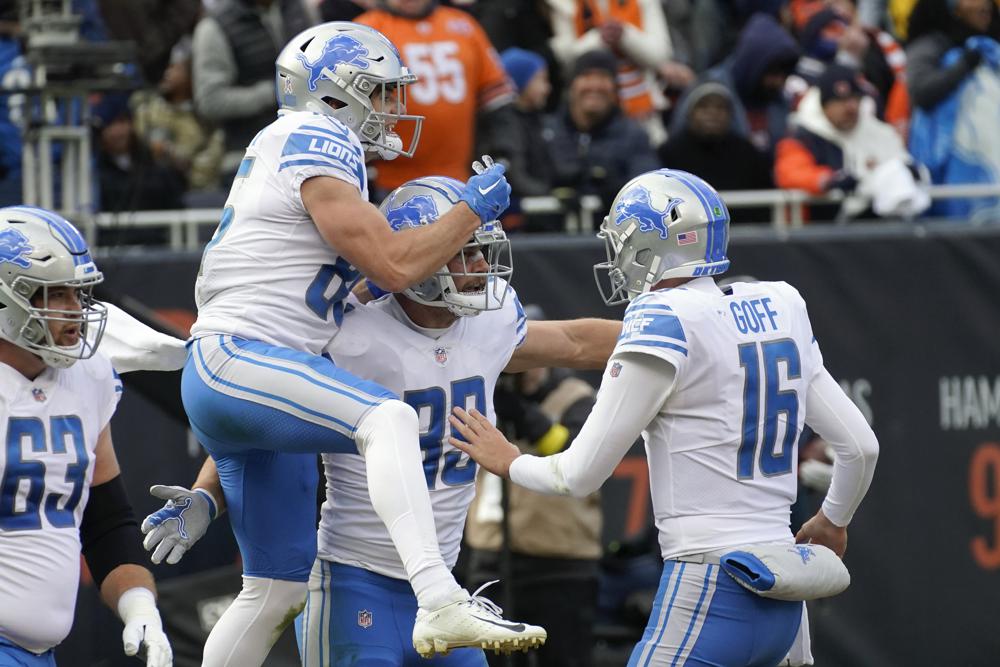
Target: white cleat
474	621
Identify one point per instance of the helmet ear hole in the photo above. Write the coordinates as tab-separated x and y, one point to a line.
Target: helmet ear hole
674	215
642	257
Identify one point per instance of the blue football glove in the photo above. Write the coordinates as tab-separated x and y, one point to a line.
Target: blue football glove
488	192
987	47
173	530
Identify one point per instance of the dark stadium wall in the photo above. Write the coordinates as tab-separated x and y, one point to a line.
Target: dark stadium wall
907	320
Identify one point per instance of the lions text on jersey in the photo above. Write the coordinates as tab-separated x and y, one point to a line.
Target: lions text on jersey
50	428
267	274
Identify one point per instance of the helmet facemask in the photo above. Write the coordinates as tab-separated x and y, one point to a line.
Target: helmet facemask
487	293
35	334
378	131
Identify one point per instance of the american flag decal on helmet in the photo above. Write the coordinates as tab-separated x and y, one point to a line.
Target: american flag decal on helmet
687	238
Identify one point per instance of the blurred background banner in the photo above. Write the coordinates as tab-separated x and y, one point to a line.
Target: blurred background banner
909	325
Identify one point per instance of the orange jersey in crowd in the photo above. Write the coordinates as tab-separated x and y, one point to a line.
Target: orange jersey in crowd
459	74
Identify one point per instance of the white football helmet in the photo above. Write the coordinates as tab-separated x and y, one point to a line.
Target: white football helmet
40	250
421	202
349	64
663	224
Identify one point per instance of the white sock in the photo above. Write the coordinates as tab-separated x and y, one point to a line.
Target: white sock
388	438
247	630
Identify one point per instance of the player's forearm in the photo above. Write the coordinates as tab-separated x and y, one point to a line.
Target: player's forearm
837	420
412	255
625	406
123	578
208	480
590	342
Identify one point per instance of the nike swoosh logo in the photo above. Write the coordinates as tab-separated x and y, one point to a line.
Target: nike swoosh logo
489	189
516	627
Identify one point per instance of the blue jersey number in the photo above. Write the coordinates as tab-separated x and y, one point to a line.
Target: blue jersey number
336	280
762	434
432	440
18	471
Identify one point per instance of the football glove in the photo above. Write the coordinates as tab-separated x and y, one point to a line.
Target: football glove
143	628
487	193
173	530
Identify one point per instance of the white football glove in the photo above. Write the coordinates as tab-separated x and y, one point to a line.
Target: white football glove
143	628
173	530
816	475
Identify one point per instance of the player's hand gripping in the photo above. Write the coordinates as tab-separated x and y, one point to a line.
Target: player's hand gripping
173	530
820	530
483	441
143	628
487	193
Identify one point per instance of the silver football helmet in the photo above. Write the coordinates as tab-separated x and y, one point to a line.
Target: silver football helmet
421	202
351	65
663	224
40	250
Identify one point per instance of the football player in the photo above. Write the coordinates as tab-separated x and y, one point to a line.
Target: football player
296	233
719	383
439	345
60	487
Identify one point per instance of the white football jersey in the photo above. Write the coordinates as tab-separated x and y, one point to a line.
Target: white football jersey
431	370
50	428
722	452
267	274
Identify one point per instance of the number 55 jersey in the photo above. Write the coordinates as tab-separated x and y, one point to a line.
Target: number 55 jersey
50	428
432	370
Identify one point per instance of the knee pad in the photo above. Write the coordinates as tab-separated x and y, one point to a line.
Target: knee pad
384	422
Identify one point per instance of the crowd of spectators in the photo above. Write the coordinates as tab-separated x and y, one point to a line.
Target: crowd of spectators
868	98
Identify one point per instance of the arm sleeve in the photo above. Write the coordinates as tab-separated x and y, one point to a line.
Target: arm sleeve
929	83
625	405
213	73
650	46
837	420
494	88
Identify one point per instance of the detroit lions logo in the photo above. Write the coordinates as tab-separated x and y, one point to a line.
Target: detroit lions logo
414	212
637	204
805	553
339	49
14	248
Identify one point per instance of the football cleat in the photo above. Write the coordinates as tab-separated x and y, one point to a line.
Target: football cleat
472	621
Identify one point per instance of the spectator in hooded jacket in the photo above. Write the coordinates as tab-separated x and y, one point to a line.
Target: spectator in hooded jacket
705	140
756	72
839	144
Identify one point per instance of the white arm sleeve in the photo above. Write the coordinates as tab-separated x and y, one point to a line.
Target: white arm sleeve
625	405
133	346
837	420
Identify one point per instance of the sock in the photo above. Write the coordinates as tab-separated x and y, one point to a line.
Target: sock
247	630
388	439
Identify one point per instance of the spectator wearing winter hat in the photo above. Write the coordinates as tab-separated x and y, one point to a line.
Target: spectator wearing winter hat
520	144
595	148
837	143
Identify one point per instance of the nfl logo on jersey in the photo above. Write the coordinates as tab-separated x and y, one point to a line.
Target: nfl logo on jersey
365	619
441	356
616	368
38	394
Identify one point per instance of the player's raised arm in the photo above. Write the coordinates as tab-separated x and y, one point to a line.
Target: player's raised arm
630	396
837	420
584	343
396	260
111	547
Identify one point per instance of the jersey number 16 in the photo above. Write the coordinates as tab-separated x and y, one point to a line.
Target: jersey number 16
761	434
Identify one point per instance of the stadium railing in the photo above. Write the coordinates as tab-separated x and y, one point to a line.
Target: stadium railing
582	216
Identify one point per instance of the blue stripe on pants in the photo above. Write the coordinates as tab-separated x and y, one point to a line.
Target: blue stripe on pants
702	618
